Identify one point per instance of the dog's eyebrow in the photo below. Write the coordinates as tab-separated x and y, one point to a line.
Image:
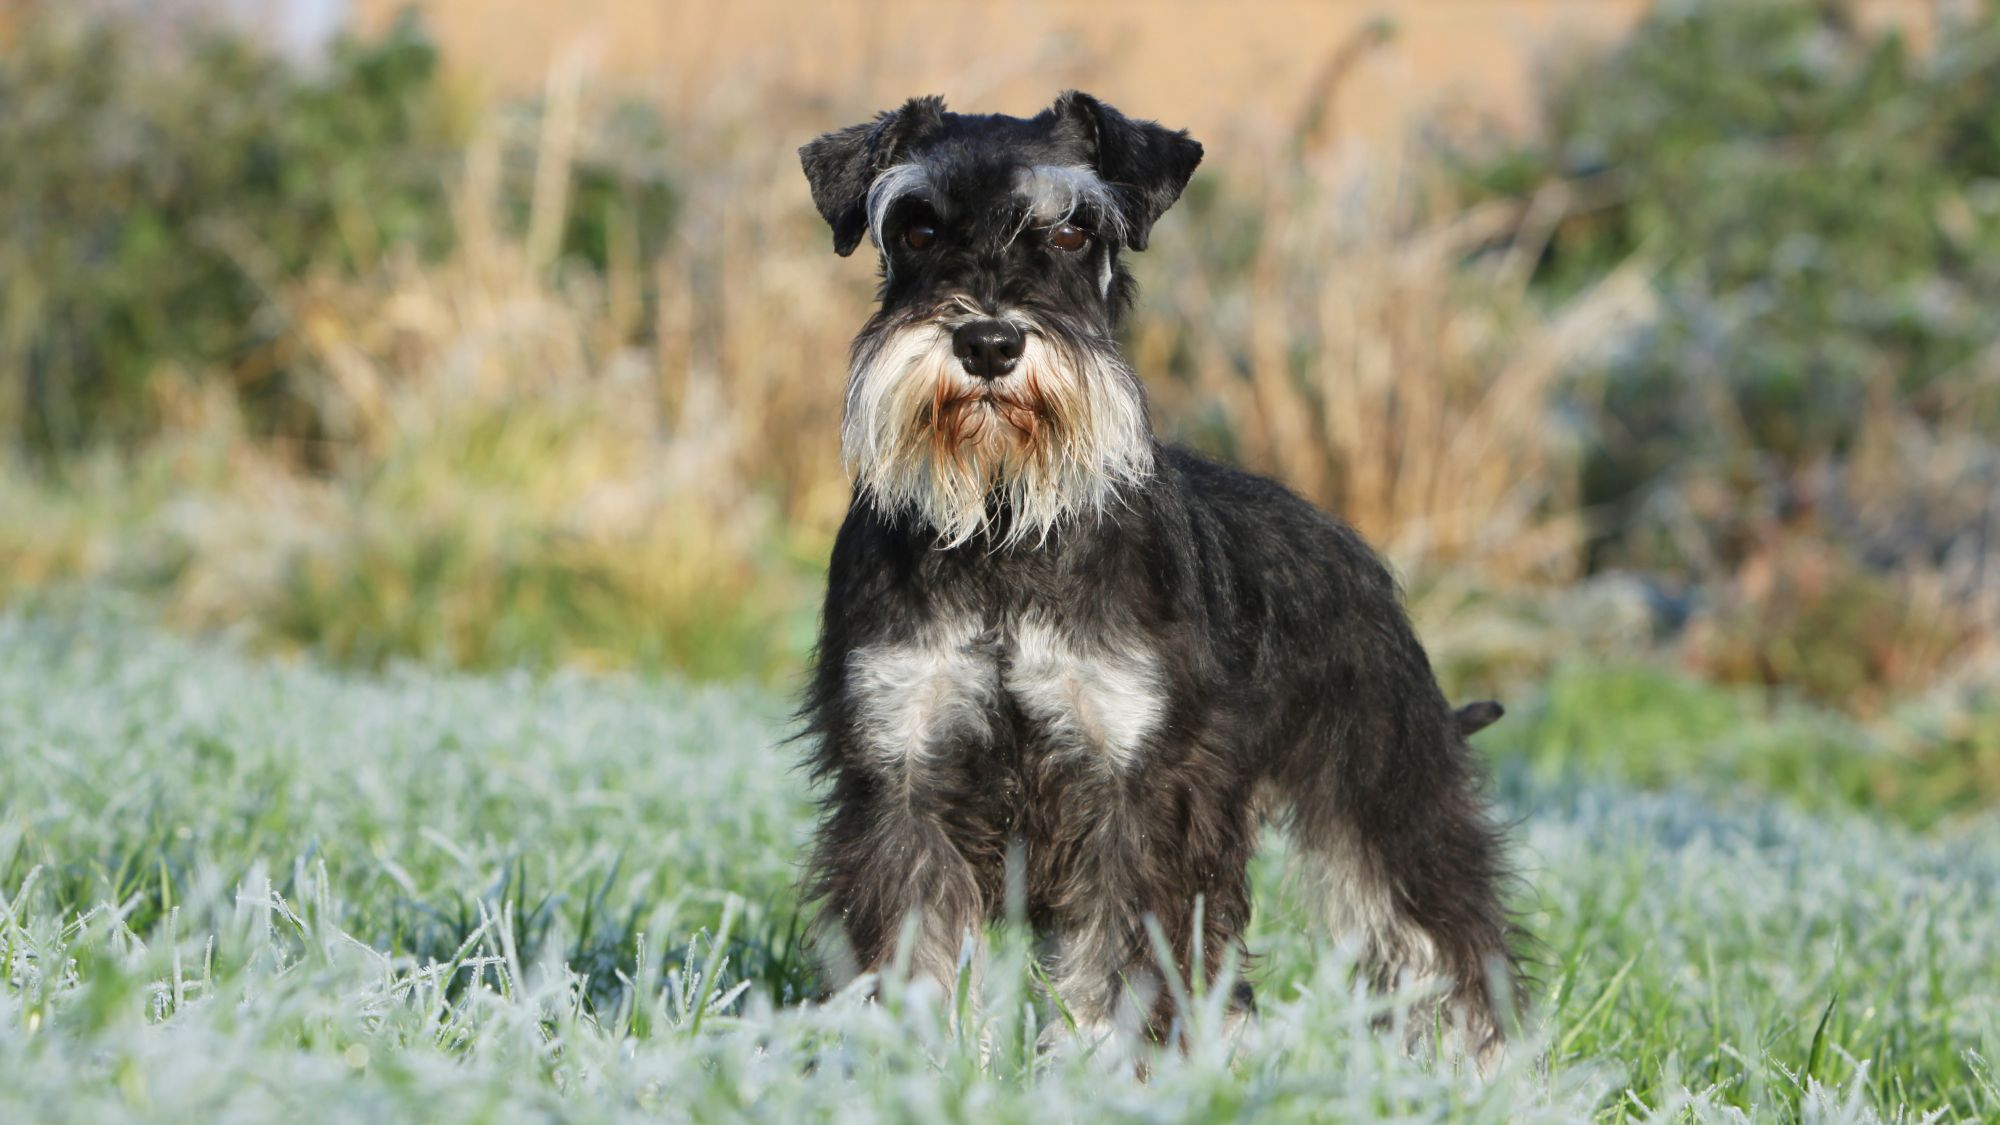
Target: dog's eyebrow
895	182
1055	192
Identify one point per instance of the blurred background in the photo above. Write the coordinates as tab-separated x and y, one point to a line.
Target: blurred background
1658	344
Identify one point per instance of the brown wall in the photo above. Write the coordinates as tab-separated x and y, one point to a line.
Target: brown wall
1199	63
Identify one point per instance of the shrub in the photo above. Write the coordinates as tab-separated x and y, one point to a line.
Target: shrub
178	180
1820	205
168	186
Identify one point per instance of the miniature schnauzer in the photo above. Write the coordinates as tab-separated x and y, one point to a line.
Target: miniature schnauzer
1052	642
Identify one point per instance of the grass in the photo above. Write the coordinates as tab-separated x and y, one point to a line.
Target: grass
1641	724
238	888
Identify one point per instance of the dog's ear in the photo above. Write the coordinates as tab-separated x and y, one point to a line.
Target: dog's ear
841	165
1145	162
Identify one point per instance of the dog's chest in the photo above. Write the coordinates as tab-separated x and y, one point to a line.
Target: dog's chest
958	686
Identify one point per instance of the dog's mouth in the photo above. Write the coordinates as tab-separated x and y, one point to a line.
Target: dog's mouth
964	409
961	413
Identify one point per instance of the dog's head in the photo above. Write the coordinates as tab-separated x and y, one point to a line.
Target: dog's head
987	395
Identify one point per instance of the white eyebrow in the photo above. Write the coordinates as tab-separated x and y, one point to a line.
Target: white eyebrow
1054	192
895	182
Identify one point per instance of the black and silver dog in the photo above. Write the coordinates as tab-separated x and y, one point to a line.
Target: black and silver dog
1047	635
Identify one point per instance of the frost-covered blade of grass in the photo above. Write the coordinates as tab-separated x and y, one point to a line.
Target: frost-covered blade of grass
242	890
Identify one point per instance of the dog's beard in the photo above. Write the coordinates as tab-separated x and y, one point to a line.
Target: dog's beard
1053	439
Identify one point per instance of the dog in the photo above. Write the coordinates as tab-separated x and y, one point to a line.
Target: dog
1057	651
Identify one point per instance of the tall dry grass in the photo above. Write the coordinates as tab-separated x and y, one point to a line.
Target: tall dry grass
518	460
1370	357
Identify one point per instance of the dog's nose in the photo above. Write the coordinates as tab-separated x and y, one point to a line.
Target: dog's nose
988	348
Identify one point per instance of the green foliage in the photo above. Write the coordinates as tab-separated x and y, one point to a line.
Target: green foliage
178	181
1821	207
170	183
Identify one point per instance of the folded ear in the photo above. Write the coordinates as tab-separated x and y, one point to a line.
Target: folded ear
1145	162
841	165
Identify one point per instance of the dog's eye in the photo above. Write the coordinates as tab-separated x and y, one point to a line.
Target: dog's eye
918	236
1068	236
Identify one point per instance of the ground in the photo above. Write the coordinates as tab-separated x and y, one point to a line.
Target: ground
241	888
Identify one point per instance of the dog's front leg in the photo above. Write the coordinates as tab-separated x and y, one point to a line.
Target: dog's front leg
896	891
1169	846
909	857
1131	818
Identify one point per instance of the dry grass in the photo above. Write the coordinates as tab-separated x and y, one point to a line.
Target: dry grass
497	429
1366	360
517	460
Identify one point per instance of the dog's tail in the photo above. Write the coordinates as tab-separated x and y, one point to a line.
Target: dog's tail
1475	717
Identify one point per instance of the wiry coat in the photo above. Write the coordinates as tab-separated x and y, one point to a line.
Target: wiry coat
1113	670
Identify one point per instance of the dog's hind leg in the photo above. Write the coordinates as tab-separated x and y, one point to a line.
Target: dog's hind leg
1394	840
